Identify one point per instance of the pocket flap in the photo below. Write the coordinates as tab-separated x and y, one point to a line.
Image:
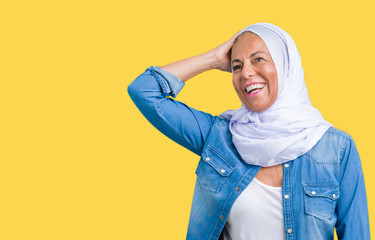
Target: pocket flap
217	161
322	190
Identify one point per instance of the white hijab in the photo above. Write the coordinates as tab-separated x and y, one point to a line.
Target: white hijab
291	126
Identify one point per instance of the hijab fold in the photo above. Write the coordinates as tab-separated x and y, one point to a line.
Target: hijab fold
291	126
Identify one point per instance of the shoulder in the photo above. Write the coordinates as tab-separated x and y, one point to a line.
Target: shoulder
338	133
331	147
335	136
343	139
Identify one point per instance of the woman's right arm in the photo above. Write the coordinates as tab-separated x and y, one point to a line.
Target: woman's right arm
152	91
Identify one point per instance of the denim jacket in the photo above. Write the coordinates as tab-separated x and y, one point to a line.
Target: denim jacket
322	189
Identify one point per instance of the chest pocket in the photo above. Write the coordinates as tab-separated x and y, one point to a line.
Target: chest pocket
320	199
213	170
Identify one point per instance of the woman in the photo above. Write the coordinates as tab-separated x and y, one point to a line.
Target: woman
273	169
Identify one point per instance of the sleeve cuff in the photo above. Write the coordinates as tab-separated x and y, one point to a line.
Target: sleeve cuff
169	83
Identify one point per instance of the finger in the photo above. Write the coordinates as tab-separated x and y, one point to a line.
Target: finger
235	35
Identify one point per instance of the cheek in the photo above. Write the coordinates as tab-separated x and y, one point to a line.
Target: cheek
270	70
271	74
236	83
275	83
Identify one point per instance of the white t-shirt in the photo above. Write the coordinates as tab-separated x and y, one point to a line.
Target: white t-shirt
257	214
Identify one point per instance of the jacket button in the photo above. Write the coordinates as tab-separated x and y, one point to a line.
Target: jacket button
286	196
222	171
222	217
334	195
313	192
238	188
289	230
208	159
286	165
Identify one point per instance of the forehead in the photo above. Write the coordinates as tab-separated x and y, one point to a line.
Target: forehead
248	43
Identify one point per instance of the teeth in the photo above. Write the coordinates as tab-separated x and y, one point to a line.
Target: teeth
254	86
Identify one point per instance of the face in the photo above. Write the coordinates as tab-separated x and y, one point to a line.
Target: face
254	72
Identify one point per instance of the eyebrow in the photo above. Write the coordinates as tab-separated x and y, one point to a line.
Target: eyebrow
252	55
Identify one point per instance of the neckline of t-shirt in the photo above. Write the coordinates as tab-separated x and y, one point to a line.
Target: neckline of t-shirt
265	185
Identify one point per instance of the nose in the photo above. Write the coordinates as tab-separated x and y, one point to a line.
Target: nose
248	70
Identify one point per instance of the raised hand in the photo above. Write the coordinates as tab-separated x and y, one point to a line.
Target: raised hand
217	58
222	54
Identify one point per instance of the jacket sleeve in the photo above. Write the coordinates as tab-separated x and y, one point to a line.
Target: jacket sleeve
152	93
352	212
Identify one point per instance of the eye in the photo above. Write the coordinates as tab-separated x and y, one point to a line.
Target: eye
236	68
258	59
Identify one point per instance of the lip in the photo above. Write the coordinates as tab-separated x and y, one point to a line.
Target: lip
252	94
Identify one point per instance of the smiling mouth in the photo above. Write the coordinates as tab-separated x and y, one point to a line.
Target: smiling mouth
255	88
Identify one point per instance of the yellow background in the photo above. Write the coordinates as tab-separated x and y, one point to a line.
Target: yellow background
78	161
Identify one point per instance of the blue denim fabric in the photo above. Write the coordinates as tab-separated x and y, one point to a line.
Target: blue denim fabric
322	189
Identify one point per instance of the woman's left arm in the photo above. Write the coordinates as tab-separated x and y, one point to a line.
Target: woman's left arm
351	209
